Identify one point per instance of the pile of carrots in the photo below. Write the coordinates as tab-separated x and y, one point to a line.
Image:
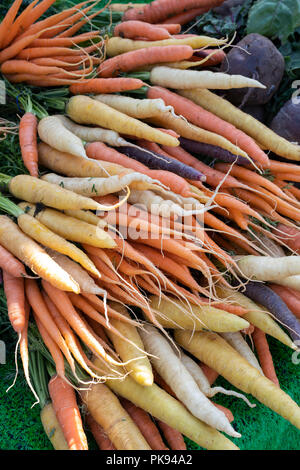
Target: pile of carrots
136	270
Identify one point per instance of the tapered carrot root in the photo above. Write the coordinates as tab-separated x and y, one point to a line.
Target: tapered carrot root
215	352
67	412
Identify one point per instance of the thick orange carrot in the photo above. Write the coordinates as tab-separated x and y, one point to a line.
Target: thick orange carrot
160	10
15	298
67	412
106	85
264	355
28	142
186	16
140	29
147	56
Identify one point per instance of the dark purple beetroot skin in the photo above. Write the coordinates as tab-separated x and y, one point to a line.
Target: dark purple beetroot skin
260	60
287	121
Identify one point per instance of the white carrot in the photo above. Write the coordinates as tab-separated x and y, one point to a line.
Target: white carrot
267	268
237	341
186	79
85	282
203	383
92	134
52	131
139	109
92	187
171	369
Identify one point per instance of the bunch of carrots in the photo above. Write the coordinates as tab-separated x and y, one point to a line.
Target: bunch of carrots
137	269
49	52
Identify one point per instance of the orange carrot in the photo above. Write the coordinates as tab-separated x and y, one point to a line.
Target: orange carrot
173	437
8	20
11	264
65	307
15	298
67	412
20	24
65	41
145	425
103	441
290	297
186	16
173	28
53	348
290	236
103	85
264	355
35	52
53	20
213	177
41	311
23	66
28	142
136	29
140	57
160	10
202	118
17	46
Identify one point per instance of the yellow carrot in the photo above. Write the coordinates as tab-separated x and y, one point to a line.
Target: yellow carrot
117	45
35	190
40	233
139	367
33	255
71	229
52	428
108	412
165	408
247	123
215	352
85	110
172	313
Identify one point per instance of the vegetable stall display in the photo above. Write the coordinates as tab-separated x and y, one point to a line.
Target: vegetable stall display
149	228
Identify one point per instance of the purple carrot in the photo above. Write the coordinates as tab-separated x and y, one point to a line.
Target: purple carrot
212	151
155	161
259	292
